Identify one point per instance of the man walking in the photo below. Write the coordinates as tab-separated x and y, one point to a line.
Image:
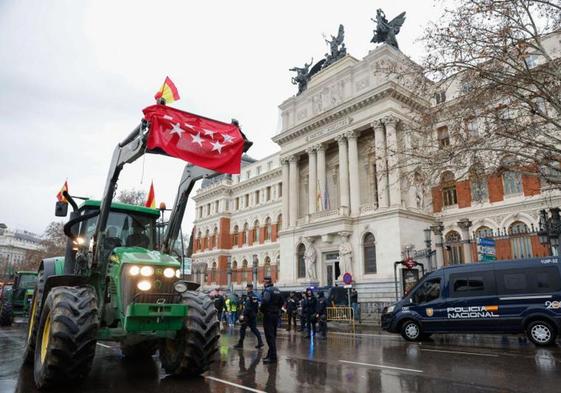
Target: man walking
219	305
270	306
309	310
355	305
291	308
249	317
322	315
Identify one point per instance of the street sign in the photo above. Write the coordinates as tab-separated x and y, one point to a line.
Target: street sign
347	286
410	263
486	249
347	278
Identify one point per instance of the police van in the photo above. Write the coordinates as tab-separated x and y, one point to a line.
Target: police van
521	296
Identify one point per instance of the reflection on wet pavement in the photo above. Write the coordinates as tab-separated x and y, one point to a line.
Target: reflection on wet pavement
342	363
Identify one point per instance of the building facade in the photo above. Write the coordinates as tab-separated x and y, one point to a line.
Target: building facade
333	200
14	244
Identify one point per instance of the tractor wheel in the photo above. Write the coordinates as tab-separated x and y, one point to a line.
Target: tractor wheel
66	336
141	350
6	314
192	350
33	321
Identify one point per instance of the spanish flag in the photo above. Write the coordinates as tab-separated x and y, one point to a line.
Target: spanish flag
151	200
168	92
61	197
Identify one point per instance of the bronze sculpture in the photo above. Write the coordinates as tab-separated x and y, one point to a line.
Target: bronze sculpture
386	31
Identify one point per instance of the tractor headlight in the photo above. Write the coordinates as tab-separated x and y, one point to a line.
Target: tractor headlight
169	272
178	273
147	271
134	270
180	287
144	285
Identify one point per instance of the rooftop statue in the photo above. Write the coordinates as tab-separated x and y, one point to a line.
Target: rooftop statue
386	31
337	48
302	76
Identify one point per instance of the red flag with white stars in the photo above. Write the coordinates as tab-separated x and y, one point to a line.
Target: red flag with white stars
201	141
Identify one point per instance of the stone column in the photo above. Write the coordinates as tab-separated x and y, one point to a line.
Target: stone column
381	165
293	191
343	174
438	243
464	225
285	190
312	180
394	178
353	173
321	174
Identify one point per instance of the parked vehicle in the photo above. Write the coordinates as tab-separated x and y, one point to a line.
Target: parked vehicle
15	297
521	296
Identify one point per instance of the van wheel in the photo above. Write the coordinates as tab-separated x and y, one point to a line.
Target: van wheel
411	331
541	332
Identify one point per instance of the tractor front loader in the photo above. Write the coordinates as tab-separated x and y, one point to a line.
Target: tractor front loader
117	282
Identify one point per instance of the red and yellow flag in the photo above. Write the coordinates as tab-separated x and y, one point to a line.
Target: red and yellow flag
151	200
61	197
168	92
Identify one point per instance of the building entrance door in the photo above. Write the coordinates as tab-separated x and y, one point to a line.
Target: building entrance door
332	268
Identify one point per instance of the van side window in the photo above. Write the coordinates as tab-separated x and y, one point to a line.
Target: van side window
475	284
428	291
541	279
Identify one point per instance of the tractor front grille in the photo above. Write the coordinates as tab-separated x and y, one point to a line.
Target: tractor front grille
162	290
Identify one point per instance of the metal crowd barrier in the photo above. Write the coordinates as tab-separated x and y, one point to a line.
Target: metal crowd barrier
340	314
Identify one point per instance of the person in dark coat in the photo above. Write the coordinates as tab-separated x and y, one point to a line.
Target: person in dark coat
301	312
321	315
219	305
249	317
291	309
309	310
270	307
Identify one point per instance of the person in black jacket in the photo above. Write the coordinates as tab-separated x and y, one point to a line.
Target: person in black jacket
270	307
309	310
322	315
291	309
249	317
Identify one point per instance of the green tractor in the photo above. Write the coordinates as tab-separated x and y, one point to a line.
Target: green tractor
120	281
15	298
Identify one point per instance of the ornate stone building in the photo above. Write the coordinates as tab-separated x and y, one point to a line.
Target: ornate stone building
333	200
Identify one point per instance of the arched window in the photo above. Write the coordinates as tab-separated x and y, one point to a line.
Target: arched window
245	233
369	253
448	183
236	236
478	183
215	238
235	273
213	272
267	267
279	223
268	229
512	182
256	231
483	231
454	250
520	241
245	270
207	239
301	263
199	240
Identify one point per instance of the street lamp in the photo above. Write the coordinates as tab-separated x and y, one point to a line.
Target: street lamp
254	270
428	244
549	229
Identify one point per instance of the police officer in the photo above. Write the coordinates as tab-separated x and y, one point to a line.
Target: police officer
249	317
322	315
270	307
291	308
309	309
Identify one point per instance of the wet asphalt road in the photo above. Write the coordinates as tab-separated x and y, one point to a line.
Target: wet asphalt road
365	362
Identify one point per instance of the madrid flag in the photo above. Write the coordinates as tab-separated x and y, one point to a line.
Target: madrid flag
201	141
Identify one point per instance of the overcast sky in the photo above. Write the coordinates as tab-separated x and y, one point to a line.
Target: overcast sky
75	75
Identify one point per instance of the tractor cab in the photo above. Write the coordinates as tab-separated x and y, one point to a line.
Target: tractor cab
15	297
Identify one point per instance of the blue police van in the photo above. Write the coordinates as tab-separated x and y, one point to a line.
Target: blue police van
521	296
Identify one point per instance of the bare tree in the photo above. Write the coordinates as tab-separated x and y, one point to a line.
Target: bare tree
132	196
53	244
493	75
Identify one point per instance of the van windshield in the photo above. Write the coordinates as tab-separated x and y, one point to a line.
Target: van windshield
427	291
